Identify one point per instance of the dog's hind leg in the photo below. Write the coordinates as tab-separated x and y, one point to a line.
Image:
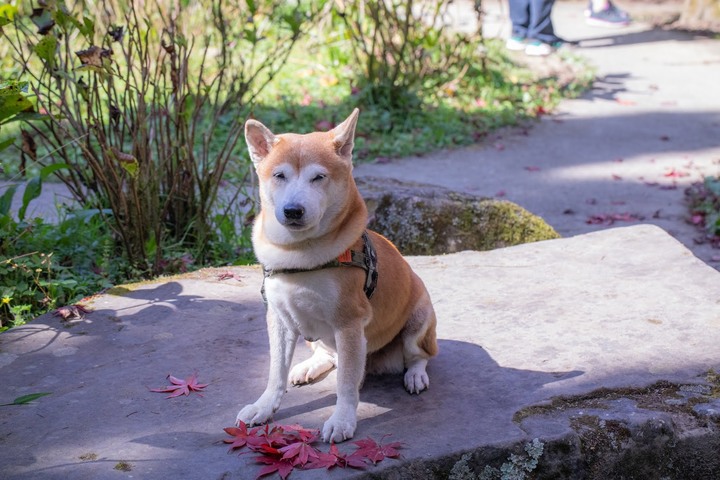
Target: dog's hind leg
322	361
282	346
419	344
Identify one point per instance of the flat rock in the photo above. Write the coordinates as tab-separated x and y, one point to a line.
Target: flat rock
528	334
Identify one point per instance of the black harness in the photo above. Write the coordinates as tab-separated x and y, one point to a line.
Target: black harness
367	260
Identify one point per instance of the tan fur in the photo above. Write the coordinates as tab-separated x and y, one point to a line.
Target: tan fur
311	212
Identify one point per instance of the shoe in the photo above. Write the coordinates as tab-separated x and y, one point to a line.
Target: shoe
516	44
541	49
611	17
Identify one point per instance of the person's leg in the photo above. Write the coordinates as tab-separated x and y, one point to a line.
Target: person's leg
541	27
519	17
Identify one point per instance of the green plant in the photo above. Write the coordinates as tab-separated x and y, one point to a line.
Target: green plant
704	200
402	49
43	266
137	106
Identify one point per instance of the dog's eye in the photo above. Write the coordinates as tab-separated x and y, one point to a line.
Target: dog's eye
318	177
279	175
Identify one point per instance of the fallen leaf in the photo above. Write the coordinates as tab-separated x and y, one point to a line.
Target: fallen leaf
273	464
227	276
345	461
181	387
533	169
611	218
664	138
71	311
623	101
376	452
674	173
241	436
25	399
616	177
499	146
323	460
299	453
697	219
500	193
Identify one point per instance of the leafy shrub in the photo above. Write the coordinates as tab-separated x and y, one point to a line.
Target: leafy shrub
704	199
135	103
402	49
43	266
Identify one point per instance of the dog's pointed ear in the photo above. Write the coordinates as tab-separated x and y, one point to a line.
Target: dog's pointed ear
260	140
345	135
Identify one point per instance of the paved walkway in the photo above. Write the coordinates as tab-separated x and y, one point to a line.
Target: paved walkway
649	127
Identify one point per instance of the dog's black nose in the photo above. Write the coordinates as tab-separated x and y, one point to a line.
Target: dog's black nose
293	212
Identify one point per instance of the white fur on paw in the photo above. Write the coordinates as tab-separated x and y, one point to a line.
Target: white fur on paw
309	370
338	429
254	415
416	380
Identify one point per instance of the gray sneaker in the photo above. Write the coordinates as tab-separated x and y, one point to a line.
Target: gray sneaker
611	17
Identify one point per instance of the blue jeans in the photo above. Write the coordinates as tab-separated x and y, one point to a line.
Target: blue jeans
531	19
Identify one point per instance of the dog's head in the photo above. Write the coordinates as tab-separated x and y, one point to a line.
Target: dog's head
305	180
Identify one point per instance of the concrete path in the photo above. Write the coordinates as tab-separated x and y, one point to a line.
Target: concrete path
649	128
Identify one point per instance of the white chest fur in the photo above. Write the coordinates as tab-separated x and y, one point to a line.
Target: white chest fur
306	302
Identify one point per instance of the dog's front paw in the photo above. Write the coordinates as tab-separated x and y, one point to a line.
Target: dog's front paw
416	379
339	428
311	369
255	414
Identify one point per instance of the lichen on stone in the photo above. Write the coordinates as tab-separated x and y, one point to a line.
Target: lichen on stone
430	220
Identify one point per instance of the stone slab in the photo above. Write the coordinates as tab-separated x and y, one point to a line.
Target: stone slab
618	308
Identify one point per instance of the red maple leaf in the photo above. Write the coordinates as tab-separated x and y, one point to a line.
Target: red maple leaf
241	436
275	437
274	464
344	460
307	435
181	387
323	460
299	453
376	452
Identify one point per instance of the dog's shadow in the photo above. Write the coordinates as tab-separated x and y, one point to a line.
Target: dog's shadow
467	387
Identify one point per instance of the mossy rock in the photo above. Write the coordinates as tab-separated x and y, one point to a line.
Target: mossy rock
423	219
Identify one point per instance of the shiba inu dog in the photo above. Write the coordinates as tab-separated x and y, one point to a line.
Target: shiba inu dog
327	279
